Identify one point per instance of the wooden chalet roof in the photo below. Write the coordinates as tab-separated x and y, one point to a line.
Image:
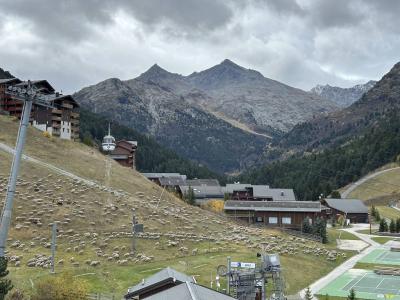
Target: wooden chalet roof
347	205
161	278
287	206
189	291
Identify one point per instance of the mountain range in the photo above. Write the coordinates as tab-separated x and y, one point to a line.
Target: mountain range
222	117
339	127
343	97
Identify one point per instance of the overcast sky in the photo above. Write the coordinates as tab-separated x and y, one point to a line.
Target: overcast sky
75	43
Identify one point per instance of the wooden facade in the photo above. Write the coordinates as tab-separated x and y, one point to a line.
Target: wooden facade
125	153
274	214
354	210
61	121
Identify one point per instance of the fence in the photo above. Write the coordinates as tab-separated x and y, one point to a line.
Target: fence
101	296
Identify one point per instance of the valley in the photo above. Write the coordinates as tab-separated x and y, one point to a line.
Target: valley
94	221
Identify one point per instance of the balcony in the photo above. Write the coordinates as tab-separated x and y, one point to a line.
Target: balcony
55	118
67	105
57	111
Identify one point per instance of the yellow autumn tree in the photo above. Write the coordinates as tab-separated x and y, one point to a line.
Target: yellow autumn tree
214	205
61	287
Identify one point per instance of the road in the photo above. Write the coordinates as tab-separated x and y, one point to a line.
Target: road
348	264
354	185
8	149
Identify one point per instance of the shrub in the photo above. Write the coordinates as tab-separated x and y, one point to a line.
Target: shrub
47	134
61	287
5	284
214	205
383	226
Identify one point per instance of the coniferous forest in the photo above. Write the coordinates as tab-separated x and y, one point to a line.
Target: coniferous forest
150	156
319	173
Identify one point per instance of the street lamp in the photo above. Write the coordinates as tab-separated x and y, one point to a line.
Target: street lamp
29	96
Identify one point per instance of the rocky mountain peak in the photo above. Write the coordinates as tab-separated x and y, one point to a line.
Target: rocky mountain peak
342	96
5	74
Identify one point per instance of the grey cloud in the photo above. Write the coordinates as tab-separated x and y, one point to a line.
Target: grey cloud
75	19
337	13
79	42
283	6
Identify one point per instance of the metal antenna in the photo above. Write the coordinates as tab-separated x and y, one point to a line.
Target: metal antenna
109	129
28	96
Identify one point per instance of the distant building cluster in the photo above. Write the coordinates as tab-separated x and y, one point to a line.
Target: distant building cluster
261	204
60	119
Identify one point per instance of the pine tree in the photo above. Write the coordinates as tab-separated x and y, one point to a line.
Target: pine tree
383	226
392	226
326	297
336	195
320	230
308	295
373	211
398	225
5	284
377	215
190	197
306	227
352	295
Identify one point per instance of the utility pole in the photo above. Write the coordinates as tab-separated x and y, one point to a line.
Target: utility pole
228	287
12	182
28	96
53	245
133	230
136	228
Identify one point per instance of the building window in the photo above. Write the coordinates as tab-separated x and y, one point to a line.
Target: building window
273	220
286	220
259	219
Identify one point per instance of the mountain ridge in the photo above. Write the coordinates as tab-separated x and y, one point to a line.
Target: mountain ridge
340	126
344	97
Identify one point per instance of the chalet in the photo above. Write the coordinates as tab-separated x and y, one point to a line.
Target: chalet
288	214
61	119
155	177
125	153
352	209
169	284
249	192
204	189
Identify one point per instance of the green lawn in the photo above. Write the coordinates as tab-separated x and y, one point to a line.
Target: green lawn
388	212
334	233
384	239
382	185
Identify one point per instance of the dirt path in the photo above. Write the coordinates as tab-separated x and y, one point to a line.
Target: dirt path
8	149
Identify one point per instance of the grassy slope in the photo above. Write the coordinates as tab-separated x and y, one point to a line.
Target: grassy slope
386	184
86	205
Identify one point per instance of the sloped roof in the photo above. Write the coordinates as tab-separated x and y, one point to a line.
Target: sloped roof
347	205
7	80
189	291
172	181
159	175
200	182
290	206
264	191
164	275
231	187
204	191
